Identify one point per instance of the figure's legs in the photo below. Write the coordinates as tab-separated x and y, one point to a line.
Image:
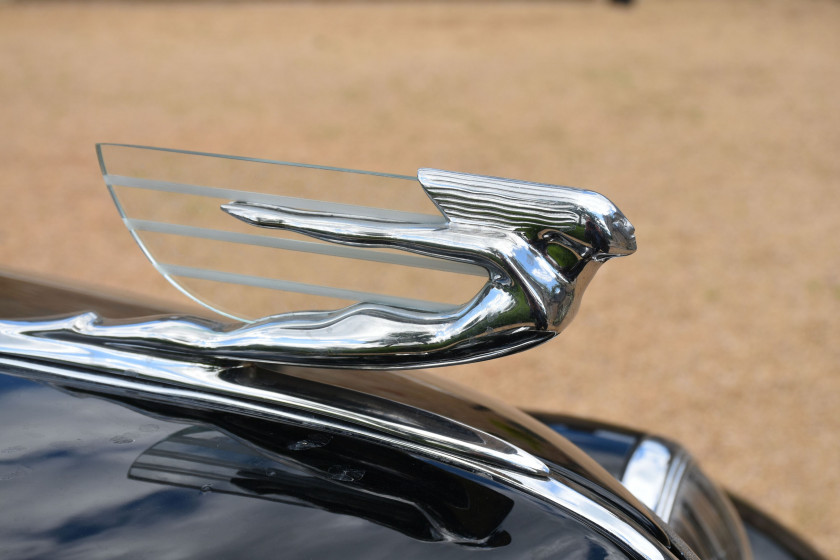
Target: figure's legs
357	330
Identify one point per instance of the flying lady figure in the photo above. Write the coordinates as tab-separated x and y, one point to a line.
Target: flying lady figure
540	245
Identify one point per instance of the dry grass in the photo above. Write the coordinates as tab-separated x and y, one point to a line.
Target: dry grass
714	125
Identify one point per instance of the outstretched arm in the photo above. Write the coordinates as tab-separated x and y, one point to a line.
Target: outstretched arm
332	227
463	243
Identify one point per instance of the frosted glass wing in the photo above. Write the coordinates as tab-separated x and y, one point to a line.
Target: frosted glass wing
170	201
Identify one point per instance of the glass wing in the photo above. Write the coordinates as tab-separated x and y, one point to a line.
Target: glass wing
170	201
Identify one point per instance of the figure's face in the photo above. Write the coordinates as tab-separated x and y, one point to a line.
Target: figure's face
600	237
609	235
622	235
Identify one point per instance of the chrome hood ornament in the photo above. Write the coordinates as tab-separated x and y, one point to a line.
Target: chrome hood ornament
538	246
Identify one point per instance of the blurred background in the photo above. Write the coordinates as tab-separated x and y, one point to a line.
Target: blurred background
715	126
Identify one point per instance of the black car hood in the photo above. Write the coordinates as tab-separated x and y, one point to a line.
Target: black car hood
83	471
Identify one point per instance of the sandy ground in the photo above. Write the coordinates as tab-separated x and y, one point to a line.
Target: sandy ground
715	126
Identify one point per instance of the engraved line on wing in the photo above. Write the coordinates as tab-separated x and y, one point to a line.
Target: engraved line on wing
306	247
274	200
302	288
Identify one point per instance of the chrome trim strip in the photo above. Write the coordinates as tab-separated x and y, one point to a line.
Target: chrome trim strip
646	471
301	288
304	247
654	474
673	481
276	200
557	493
209	383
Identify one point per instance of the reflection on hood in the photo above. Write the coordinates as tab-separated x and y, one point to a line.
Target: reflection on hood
313	470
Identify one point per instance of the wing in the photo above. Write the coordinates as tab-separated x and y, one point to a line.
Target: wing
171	201
503	203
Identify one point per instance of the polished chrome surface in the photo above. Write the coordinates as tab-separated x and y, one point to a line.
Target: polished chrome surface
231	387
538	244
653	474
563	496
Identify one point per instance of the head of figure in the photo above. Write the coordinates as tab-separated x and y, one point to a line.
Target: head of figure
606	229
567	225
587	226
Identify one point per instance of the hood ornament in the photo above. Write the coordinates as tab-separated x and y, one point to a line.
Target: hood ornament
538	245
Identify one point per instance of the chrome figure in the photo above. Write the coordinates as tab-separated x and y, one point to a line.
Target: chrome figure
540	244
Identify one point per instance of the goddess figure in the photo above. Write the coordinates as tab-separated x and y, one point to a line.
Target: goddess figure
540	244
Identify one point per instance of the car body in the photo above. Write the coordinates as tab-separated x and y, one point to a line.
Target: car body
360	464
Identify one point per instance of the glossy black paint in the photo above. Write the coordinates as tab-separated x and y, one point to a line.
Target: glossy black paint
611	446
82	476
